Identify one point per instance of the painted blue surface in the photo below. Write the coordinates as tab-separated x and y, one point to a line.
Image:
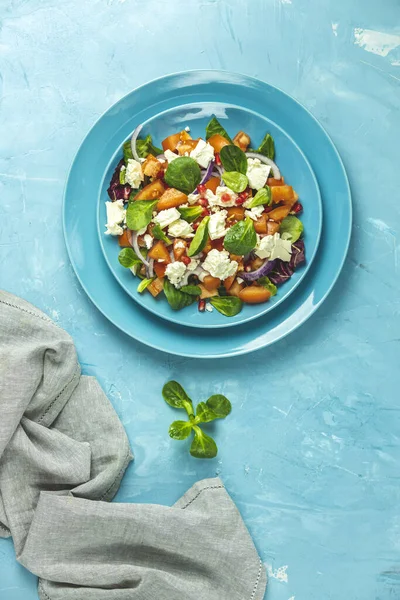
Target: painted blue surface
292	163
311	450
83	240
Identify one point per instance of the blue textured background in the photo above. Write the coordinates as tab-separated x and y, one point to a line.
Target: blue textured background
311	451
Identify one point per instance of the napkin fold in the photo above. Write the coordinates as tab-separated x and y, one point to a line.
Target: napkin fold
63	453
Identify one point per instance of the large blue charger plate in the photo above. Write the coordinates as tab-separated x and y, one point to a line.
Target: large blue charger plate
293	165
82	196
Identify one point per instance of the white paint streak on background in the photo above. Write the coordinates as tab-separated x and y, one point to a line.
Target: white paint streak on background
334	28
376	42
280	574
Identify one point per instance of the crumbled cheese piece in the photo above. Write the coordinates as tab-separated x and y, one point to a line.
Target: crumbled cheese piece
166	217
257	173
134	174
170	156
175	272
193	198
239	280
203	153
218	264
115	216
148	240
179	244
180	228
273	246
216	225
187	128
193	265
209	307
255	212
216	199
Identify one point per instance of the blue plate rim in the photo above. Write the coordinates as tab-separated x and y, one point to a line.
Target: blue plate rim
328	289
268	308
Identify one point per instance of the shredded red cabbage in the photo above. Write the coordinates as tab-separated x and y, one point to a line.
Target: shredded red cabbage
118	191
284	270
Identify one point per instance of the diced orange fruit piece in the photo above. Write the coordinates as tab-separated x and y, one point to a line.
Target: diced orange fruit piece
160	268
159	252
242	140
179	248
271	181
205	293
151	166
123	239
171	142
272	227
235	213
229	281
254	294
282	192
261	224
213	183
218	141
186	146
278	214
211	283
156	286
171	198
235	288
152	191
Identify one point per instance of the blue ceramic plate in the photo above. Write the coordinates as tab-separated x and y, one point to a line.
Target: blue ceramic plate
293	165
92	161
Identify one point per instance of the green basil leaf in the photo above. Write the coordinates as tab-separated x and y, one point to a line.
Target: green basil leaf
183	174
144	284
180	430
204	413
128	258
263	196
146	146
127	149
192	290
233	159
241	238
203	446
176	298
200	237
235	181
267	283
292	227
219	405
160	235
190	213
229	306
174	395
139	213
267	147
214	127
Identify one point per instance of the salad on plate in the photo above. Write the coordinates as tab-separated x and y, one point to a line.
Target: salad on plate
208	220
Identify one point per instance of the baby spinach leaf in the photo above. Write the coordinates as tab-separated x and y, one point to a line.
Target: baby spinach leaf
144	284
139	213
183	174
192	290
200	237
160	235
174	395
241	238
229	306
190	213
214	127
292	227
176	298
180	430
127	150
146	146
233	159
263	196
219	405
203	446
235	181
128	258
204	414
267	283
267	147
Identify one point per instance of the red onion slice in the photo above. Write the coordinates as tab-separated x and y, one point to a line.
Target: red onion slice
133	142
267	161
265	268
135	246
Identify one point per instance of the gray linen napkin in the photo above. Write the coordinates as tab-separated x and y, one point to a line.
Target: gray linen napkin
63	452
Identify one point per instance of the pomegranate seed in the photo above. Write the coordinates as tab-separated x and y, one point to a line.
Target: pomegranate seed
244	195
185	260
217	158
201	188
225	198
203	202
297	208
202	305
248	269
205	212
240	201
160	174
195	226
